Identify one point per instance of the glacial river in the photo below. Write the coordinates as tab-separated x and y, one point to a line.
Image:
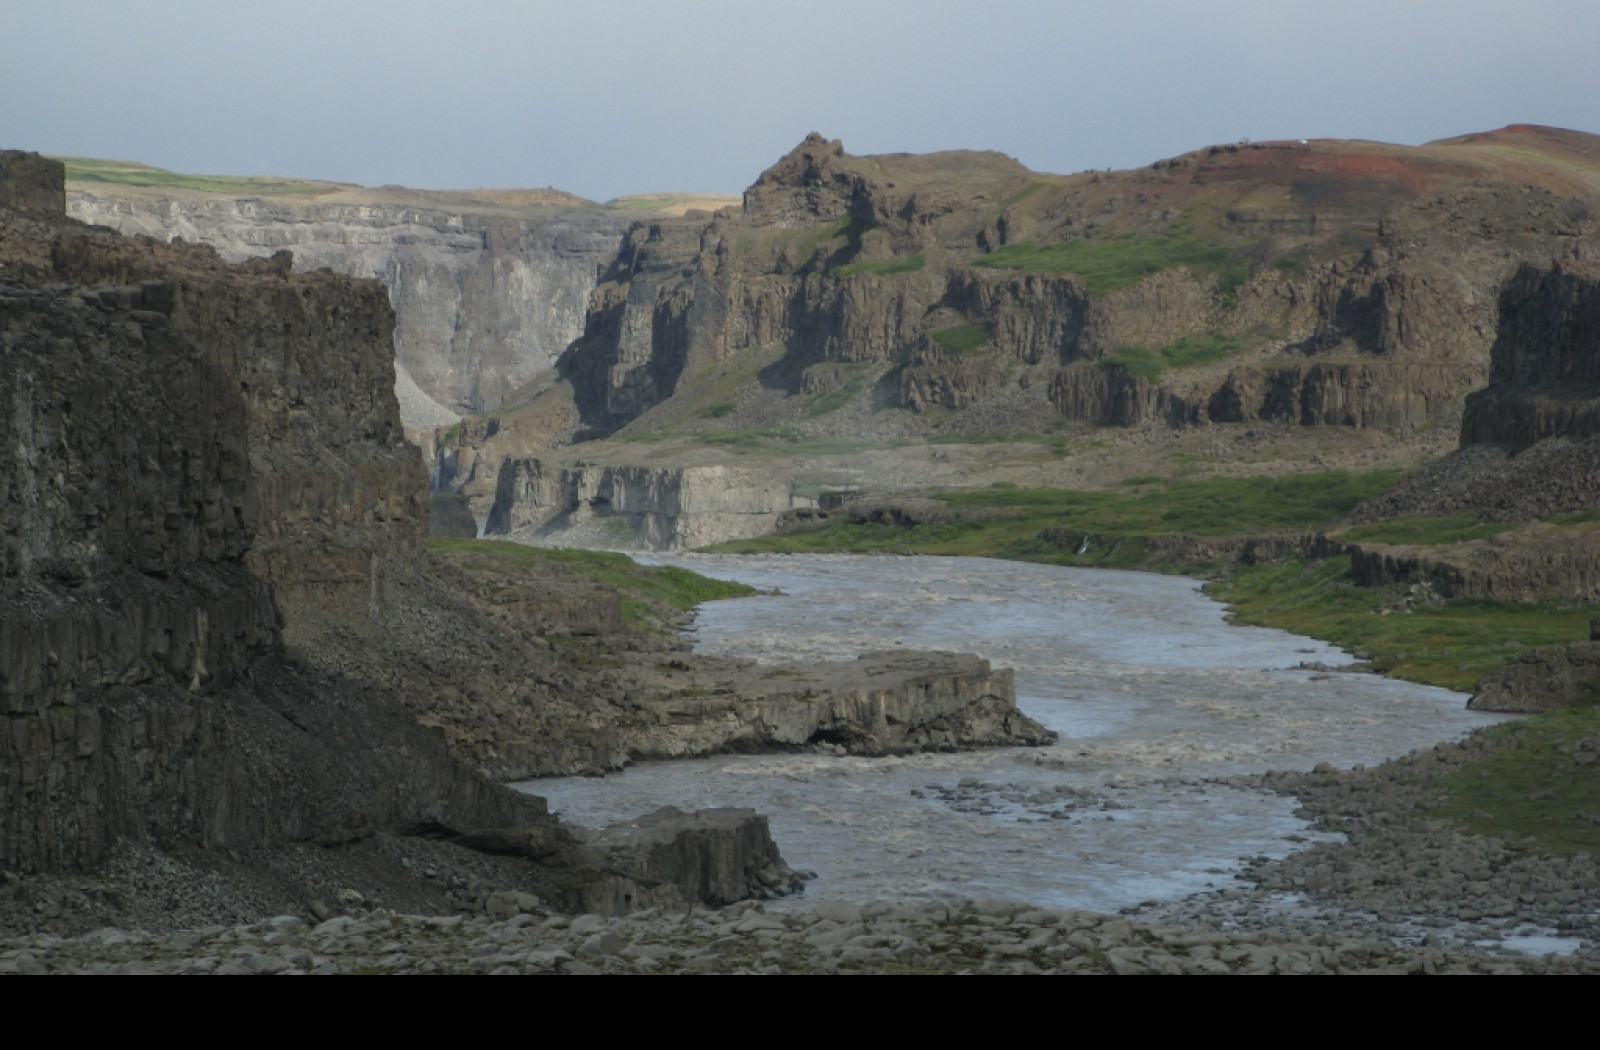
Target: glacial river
1157	699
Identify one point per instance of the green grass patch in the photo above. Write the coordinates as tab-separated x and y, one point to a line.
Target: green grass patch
649	202
1230	281
1056	443
1208	507
909	264
851	226
1107	265
1136	361
832	400
1023	194
782	439
718	410
961	338
1120	520
1293	267
132	173
640	585
1582	517
1448	644
1185	353
1531	786
1424	532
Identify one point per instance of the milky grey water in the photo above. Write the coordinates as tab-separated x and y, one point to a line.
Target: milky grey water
1150	689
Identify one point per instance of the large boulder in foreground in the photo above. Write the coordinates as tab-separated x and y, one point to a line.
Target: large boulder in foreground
1544	679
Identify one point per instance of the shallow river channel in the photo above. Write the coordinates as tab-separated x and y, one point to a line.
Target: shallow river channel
1157	699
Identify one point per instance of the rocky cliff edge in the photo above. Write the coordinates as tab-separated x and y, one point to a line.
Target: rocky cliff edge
204	475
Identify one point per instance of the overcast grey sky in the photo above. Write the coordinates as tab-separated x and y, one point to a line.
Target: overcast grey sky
628	97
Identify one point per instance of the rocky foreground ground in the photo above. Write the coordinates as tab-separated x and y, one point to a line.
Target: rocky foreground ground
1403	893
828	937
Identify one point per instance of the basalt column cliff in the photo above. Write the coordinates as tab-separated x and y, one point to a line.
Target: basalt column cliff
488	286
959	297
203	474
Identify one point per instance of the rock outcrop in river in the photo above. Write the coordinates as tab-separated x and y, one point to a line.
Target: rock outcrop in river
881	703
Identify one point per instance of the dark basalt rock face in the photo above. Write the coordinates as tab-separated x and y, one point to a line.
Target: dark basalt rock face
32	184
203	472
1530	450
1530	440
199	460
1544	373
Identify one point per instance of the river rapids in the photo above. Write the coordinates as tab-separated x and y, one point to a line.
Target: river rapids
1161	704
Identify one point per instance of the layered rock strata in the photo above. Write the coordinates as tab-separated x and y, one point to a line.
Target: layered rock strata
656	508
1544	376
203	460
1356	299
1388	395
1530	440
1537	563
884	703
1530	449
486	292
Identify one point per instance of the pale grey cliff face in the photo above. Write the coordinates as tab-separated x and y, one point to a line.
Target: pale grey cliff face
655	508
483	302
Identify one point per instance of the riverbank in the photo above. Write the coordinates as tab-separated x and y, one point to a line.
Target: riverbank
1404	894
1276	550
1405	891
1275	553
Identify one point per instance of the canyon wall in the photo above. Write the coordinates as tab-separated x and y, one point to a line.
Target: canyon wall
201	461
656	508
1530	450
1352	301
1530	440
1544	376
485	296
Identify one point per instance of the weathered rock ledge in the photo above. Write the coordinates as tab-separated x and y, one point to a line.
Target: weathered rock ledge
656	508
882	703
